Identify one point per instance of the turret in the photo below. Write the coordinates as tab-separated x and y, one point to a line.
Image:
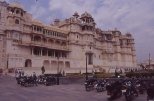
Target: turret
88	23
76	15
15	14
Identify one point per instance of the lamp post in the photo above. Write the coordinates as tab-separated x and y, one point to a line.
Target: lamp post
86	67
149	61
58	70
7	61
58	64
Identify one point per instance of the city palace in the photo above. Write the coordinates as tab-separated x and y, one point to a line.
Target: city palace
67	45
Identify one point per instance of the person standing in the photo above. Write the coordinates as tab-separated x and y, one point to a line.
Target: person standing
43	70
22	73
16	73
35	78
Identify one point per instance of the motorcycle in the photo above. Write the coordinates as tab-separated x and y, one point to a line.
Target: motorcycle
89	84
140	88
150	94
130	92
47	80
26	81
100	86
50	81
114	90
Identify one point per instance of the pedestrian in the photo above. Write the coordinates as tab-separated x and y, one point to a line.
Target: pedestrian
16	73
19	73
43	70
35	78
22	73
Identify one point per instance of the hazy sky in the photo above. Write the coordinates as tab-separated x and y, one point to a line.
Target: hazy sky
134	16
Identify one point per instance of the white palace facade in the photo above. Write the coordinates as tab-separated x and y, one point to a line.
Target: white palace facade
62	46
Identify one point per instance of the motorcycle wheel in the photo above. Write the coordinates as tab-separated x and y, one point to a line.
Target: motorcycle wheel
127	97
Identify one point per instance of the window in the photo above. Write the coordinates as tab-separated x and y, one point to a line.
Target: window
21	13
90	59
37	28
16	21
12	10
17	11
121	42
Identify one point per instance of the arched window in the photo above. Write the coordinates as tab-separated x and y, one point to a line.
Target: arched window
16	21
12	10
22	14
17	11
67	64
28	63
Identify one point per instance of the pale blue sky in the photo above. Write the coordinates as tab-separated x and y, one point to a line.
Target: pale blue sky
134	16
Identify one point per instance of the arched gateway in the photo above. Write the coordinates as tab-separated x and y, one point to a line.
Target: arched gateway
28	63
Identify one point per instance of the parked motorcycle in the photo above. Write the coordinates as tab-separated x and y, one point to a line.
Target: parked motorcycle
114	90
26	81
131	92
150	93
89	84
100	86
47	80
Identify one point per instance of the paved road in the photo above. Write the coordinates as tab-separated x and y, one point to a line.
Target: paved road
10	91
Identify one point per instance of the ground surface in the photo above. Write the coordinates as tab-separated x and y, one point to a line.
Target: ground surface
10	91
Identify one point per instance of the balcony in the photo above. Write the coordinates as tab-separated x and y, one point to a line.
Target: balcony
37	32
24	43
88	24
56	37
107	51
14	15
44	45
26	30
88	32
99	47
16	28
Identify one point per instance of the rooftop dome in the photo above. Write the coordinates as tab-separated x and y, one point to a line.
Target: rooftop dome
85	14
76	14
128	35
16	5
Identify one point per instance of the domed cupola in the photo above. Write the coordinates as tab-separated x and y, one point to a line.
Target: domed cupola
16	15
86	14
16	5
87	22
76	15
16	9
75	19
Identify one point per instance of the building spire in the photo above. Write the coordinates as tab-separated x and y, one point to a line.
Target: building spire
149	61
76	14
